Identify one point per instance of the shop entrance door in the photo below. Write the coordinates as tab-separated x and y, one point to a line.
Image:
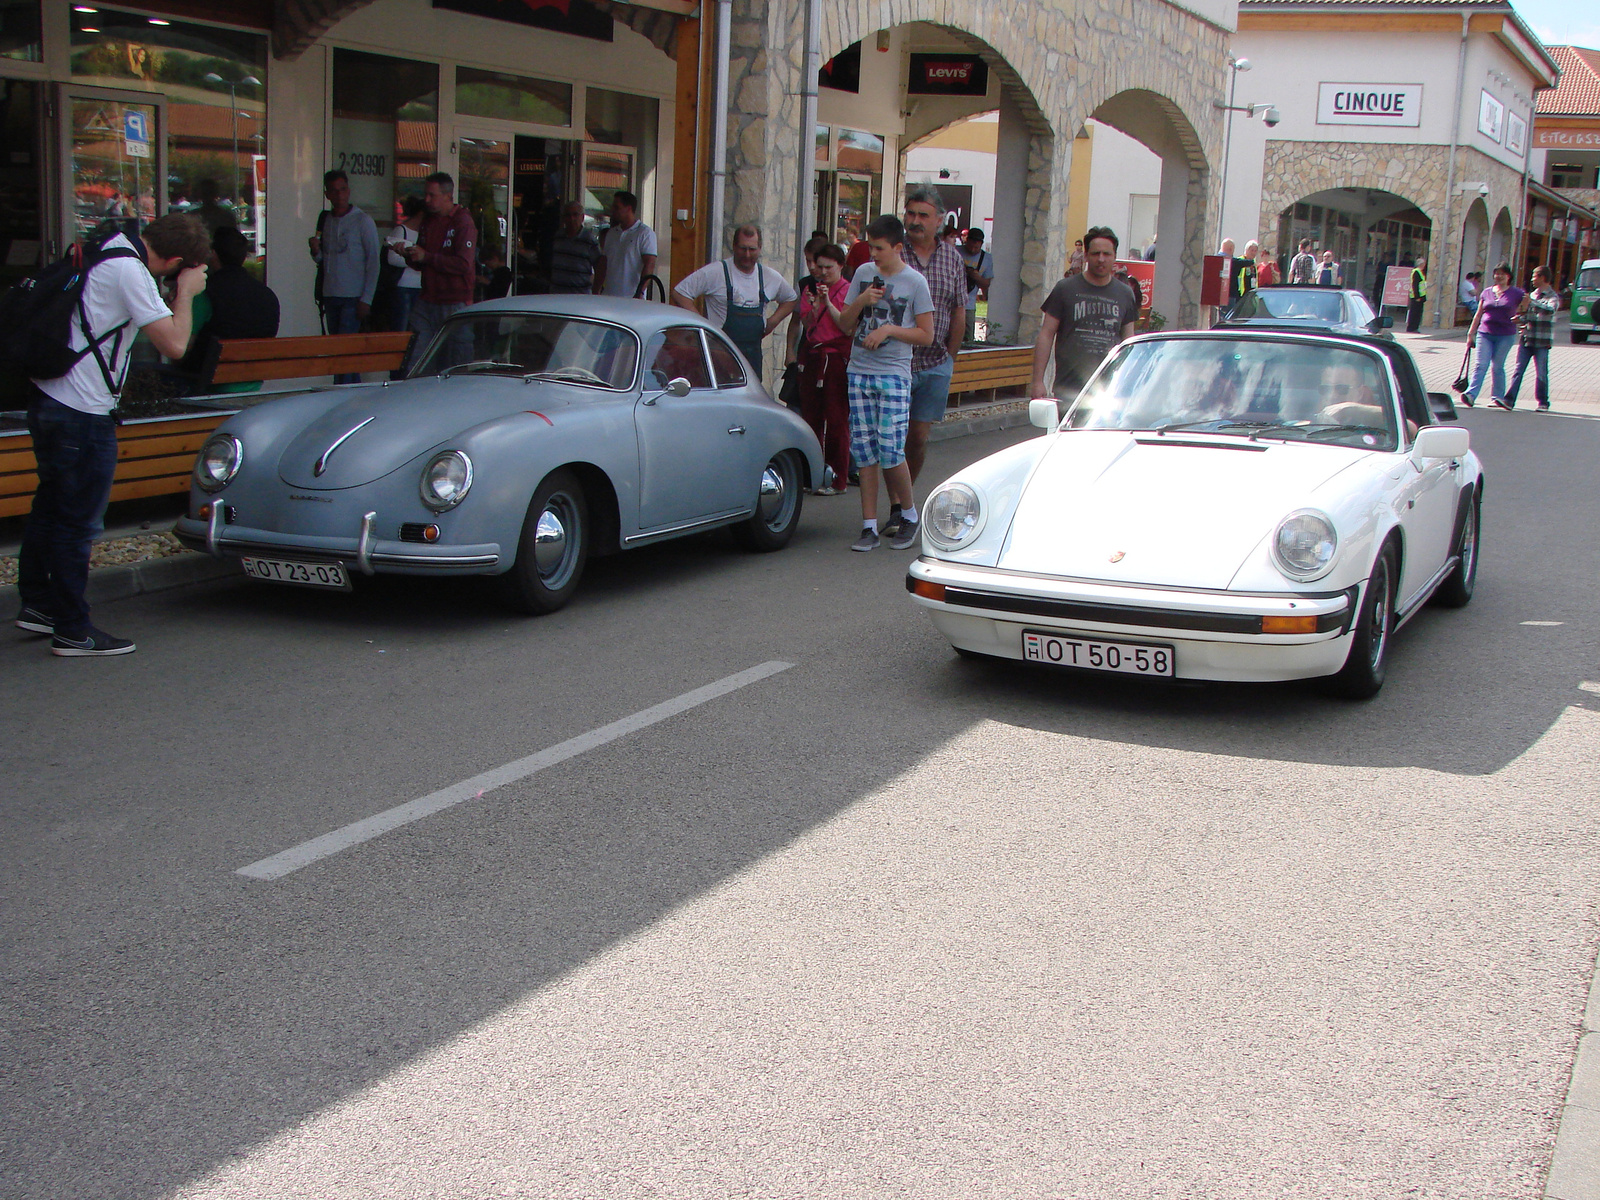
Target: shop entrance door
484	190
113	155
852	208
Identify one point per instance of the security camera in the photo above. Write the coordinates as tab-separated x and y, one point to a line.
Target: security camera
1272	116
1483	189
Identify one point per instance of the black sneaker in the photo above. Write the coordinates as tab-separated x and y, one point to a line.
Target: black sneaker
1505	404
893	523
93	644
35	621
907	535
867	541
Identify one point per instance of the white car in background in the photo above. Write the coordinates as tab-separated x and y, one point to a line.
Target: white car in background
1221	505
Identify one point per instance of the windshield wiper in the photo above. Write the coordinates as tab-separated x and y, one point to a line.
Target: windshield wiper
480	365
1221	425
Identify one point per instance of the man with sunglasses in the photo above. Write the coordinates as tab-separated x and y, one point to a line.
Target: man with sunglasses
75	433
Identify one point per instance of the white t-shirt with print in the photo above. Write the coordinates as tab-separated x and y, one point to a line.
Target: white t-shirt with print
119	290
624	251
710	283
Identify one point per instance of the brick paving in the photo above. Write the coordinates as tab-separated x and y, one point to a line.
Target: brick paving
1574	370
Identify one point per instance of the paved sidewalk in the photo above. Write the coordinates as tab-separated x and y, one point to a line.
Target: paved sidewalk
1574	370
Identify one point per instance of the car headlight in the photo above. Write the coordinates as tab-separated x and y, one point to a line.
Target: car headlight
1304	545
446	480
219	461
953	515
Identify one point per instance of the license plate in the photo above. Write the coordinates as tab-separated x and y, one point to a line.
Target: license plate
1130	658
306	574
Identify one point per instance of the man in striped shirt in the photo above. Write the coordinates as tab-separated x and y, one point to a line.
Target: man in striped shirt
573	253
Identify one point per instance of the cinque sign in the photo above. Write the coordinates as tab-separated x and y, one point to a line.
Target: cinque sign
1397	104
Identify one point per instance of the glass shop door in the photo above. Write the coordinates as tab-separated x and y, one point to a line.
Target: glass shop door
113	155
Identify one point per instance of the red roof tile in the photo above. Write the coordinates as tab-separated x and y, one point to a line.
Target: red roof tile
1578	93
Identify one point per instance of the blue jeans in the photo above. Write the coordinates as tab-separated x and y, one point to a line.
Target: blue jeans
76	454
343	318
930	391
1492	348
1541	374
427	318
402	300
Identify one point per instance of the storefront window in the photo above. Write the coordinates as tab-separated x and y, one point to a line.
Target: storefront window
19	31
512	97
21	227
624	159
822	144
213	119
385	128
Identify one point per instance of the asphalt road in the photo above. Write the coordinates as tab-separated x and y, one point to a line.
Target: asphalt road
883	923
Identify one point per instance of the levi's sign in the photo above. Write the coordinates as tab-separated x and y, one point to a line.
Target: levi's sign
948	75
1369	104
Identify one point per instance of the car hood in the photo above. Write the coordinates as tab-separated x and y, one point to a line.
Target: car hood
1178	510
386	427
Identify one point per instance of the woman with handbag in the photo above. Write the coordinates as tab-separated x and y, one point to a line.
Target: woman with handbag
824	357
1494	332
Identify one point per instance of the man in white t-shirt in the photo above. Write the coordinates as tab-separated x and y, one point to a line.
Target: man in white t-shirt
736	292
75	435
628	254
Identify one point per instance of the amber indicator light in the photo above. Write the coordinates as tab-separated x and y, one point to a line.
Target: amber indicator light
1288	624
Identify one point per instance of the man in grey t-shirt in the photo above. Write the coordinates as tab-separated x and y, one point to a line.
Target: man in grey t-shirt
1084	317
888	310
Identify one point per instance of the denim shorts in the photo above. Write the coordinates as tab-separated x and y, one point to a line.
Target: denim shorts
930	392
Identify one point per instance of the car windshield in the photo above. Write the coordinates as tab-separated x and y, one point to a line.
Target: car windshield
1252	388
1589	277
1302	305
543	344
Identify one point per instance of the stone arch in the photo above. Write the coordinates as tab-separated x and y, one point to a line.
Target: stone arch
1162	126
1501	234
1056	66
1474	240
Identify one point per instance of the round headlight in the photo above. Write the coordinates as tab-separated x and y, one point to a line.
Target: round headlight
446	480
1304	545
953	515
219	461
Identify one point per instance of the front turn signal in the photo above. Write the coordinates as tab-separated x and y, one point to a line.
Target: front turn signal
1288	624
927	589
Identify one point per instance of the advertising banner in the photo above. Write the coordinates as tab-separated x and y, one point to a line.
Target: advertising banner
1397	287
1213	280
1142	273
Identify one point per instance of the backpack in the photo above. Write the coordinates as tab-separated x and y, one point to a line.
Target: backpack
36	318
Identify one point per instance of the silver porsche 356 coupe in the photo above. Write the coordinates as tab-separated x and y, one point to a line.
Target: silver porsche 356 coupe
532	433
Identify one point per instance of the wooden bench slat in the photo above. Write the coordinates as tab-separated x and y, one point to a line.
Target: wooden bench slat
149	447
297	368
325	345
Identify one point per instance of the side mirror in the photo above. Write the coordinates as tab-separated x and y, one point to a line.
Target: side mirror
1046	414
1435	441
1442	407
678	387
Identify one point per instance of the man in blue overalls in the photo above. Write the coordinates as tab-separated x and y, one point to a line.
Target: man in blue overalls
736	292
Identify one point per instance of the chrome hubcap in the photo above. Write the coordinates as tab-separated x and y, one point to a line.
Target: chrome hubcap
553	541
772	504
1469	545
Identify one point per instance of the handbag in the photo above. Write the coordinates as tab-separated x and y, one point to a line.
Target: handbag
1463	381
789	389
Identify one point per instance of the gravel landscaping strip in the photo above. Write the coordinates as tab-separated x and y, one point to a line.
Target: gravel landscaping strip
114	552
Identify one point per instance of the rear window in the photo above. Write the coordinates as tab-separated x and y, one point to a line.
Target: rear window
1290	304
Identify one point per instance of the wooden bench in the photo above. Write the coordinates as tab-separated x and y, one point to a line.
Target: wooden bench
154	458
991	368
245	360
155	455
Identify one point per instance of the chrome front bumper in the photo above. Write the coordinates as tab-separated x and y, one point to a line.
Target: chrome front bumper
1216	635
368	555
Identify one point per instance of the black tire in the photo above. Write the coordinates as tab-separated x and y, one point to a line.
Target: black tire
1363	671
779	496
1579	339
553	548
1456	590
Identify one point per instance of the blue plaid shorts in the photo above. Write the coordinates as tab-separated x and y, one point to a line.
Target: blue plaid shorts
880	412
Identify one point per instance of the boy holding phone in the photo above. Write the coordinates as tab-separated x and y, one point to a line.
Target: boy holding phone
888	310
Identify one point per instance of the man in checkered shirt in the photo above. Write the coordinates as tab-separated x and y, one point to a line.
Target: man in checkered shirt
1538	319
945	270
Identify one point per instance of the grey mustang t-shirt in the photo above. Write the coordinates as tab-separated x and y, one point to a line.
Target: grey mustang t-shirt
905	298
1091	323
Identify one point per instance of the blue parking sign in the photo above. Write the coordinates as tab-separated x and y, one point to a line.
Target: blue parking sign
136	133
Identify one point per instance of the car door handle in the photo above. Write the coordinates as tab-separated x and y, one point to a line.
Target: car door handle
739	429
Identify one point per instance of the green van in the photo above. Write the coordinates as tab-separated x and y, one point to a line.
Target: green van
1586	301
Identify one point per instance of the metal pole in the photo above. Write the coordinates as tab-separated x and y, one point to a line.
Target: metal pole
233	115
1227	145
805	218
1450	185
719	131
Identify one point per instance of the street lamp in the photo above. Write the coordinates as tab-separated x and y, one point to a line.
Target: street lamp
1271	116
233	116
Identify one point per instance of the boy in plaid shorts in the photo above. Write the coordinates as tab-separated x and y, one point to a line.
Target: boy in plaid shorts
888	309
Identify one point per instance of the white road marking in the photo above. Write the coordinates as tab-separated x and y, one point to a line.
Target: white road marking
306	853
1544	623
1586	686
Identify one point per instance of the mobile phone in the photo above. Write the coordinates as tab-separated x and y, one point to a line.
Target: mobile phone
877	281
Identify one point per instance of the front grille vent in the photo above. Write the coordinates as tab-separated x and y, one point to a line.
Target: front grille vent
412	532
